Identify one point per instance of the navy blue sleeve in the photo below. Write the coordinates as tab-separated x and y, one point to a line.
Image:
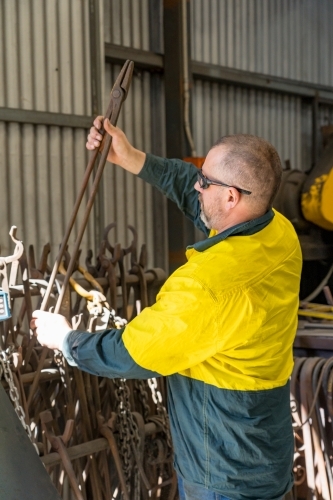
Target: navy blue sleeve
175	179
103	354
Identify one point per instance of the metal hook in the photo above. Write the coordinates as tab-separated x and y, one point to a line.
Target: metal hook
18	251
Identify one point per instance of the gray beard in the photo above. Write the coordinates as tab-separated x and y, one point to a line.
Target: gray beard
204	219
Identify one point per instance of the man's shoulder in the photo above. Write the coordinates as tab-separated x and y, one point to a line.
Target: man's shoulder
239	261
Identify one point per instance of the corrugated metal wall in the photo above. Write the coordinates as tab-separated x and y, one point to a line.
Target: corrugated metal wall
129	200
326	115
45	66
44	55
126	22
226	109
41	169
286	38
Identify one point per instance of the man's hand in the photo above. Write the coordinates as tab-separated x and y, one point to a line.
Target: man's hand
121	152
50	328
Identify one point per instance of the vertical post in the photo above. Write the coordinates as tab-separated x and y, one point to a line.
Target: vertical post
97	73
160	220
180	230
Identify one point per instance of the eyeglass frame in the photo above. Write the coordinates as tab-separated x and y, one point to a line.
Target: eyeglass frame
204	183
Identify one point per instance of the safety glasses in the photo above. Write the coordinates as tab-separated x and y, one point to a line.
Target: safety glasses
204	183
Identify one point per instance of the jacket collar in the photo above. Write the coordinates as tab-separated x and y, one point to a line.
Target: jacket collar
243	229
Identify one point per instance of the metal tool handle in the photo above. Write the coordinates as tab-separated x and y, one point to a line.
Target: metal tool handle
118	95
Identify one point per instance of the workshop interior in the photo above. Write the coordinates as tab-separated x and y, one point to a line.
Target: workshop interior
92	242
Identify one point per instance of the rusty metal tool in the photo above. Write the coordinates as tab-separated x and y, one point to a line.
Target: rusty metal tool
316	379
118	96
109	266
131	249
138	267
58	444
106	431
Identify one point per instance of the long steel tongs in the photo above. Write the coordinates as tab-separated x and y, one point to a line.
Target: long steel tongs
118	96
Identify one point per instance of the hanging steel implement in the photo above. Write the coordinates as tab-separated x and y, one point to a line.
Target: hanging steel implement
118	96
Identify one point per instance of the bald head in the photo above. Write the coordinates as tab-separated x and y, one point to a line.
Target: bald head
251	163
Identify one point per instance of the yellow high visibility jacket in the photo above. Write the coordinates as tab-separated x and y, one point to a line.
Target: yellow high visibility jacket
228	317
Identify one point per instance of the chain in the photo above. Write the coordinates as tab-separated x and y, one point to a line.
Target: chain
140	386
127	428
13	392
116	321
161	410
60	362
128	434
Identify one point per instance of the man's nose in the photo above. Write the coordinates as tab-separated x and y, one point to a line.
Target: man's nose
197	187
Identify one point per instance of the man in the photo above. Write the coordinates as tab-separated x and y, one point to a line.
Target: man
223	324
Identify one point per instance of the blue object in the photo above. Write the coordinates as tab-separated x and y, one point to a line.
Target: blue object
5	311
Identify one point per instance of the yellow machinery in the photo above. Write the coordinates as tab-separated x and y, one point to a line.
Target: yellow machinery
306	199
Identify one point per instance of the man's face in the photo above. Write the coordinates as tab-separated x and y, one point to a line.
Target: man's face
209	210
211	198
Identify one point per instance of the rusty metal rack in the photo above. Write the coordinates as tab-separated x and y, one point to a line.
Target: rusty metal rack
100	438
97	438
311	401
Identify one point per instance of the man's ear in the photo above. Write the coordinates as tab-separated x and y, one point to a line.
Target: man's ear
233	197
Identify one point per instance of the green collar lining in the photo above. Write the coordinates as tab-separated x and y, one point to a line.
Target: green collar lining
243	229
